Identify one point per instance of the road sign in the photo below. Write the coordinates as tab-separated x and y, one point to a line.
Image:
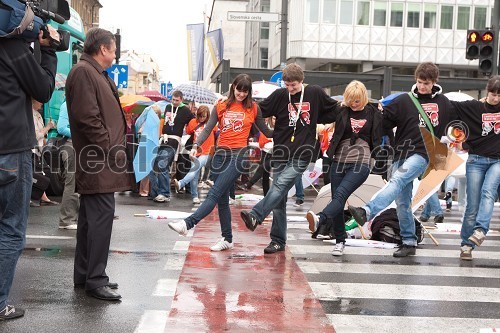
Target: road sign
163	89
119	74
255	17
278	78
170	90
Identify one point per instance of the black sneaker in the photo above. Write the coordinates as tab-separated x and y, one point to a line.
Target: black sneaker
11	312
250	220
405	251
298	202
359	214
438	219
423	218
274	247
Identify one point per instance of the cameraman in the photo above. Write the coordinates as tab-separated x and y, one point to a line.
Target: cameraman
22	78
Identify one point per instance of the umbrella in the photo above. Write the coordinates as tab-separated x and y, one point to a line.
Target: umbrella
148	124
197	94
153	95
137	107
361	196
60	81
386	100
458	96
131	99
262	89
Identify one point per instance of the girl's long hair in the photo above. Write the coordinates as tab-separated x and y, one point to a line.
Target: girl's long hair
242	82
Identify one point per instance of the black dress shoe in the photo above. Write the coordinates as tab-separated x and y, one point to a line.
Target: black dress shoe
111	285
105	293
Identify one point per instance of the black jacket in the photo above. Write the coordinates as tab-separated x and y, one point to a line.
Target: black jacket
21	79
342	122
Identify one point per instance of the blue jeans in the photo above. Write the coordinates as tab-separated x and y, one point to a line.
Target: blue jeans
16	179
400	188
285	174
160	176
226	168
193	175
344	180
432	207
483	179
299	189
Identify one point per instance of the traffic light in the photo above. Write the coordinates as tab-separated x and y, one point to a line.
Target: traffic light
486	54
118	39
472	48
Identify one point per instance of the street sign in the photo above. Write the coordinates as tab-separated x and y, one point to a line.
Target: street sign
278	78
119	74
163	89
170	90
255	17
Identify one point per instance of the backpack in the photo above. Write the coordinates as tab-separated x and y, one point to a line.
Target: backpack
385	228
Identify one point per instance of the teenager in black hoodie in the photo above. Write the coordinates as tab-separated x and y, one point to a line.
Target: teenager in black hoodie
411	158
482	122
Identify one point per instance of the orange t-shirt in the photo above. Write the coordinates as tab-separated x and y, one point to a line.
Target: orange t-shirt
263	140
209	142
235	124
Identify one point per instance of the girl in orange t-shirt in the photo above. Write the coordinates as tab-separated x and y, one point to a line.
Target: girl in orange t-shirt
196	126
235	117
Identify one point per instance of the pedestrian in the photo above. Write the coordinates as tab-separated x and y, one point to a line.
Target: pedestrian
235	117
297	110
70	202
432	207
411	157
176	116
195	127
98	131
482	166
358	130
23	78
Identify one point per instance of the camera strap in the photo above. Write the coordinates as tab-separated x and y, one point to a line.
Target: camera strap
28	18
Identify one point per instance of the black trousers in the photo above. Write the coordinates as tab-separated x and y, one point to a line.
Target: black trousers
95	222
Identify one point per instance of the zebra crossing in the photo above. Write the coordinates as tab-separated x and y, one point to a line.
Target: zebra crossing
367	290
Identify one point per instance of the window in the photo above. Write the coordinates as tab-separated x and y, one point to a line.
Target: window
265	6
329	11
463	18
413	20
264	30
363	17
480	18
396	14
446	17
379	13
346	11
430	16
312	11
263	57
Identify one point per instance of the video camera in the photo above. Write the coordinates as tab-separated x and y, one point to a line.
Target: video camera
24	19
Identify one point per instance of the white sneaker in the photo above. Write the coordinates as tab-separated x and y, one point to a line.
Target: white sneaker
209	183
73	226
179	227
161	198
313	220
177	185
222	245
232	201
201	184
196	200
338	249
477	237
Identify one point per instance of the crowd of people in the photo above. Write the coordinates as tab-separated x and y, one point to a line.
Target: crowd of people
94	127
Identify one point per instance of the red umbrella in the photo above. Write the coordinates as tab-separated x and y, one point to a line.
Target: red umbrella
153	95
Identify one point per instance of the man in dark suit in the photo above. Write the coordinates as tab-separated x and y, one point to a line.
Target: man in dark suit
98	130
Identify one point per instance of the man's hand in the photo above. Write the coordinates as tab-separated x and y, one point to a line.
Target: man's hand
53	35
193	152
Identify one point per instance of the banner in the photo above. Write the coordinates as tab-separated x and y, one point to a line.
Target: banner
195	44
215	43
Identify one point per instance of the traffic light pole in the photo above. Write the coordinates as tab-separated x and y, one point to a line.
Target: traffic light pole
495	24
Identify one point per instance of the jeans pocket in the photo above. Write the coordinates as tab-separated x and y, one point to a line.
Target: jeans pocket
472	158
9	169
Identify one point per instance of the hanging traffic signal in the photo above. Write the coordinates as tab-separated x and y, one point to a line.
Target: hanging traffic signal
486	56
472	48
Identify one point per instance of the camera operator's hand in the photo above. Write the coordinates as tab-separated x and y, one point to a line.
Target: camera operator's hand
53	36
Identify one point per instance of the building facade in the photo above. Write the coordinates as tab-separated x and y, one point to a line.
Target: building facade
88	10
143	72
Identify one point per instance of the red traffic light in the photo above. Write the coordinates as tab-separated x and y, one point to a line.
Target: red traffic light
487	37
473	37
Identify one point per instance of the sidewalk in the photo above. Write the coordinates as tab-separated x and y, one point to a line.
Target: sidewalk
242	290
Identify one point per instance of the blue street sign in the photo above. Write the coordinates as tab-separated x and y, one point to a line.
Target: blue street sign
170	89
119	74
163	89
278	78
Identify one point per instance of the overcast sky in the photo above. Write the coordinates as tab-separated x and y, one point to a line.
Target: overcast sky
157	27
